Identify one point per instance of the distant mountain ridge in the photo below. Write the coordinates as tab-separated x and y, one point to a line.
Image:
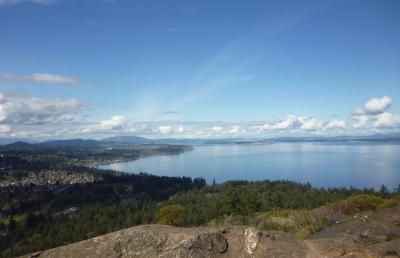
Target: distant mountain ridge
76	143
130	139
194	141
137	140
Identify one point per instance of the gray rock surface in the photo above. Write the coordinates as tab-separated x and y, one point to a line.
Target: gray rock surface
365	235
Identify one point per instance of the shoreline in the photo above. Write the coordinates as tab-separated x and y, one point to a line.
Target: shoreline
100	163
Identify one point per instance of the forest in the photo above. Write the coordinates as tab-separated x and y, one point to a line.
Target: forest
77	202
42	219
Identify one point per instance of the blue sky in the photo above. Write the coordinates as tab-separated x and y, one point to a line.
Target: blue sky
92	68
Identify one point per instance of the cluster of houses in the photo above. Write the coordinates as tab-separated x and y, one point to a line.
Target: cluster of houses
49	177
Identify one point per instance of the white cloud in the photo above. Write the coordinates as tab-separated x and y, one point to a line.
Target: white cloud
291	122
374	106
358	112
300	123
4	129
237	130
311	124
165	129
336	124
361	122
387	120
24	109
378	105
12	2
180	130
114	124
217	129
47	79
373	115
27	116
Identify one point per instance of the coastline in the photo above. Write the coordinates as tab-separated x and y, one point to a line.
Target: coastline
120	160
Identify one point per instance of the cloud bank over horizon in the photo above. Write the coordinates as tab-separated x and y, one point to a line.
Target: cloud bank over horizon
22	115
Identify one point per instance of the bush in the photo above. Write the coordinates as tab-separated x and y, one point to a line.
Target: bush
173	215
366	202
359	203
342	207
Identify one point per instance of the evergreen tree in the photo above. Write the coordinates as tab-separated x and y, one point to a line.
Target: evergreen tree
383	191
12	225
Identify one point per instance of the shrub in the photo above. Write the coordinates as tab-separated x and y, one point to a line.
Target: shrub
314	225
366	202
173	215
359	203
342	207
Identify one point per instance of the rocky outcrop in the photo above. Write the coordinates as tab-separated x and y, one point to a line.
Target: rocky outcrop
166	241
365	235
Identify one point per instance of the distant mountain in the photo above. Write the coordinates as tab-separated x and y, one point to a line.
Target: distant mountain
375	137
71	143
130	139
136	140
9	140
391	136
171	141
195	142
19	145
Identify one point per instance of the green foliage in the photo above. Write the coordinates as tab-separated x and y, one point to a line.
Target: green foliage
173	215
41	217
366	202
37	218
12	225
383	191
243	198
362	202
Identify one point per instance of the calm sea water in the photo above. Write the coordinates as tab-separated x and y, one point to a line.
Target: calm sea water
323	165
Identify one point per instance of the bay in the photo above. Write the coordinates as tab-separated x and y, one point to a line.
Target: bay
321	164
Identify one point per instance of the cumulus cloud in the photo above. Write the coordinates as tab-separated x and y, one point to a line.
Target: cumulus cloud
12	2
361	122
336	124
46	78
165	129
169	129
24	109
180	129
237	130
4	129
378	105
293	122
387	120
114	124
374	106
27	116
217	129
374	116
312	124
